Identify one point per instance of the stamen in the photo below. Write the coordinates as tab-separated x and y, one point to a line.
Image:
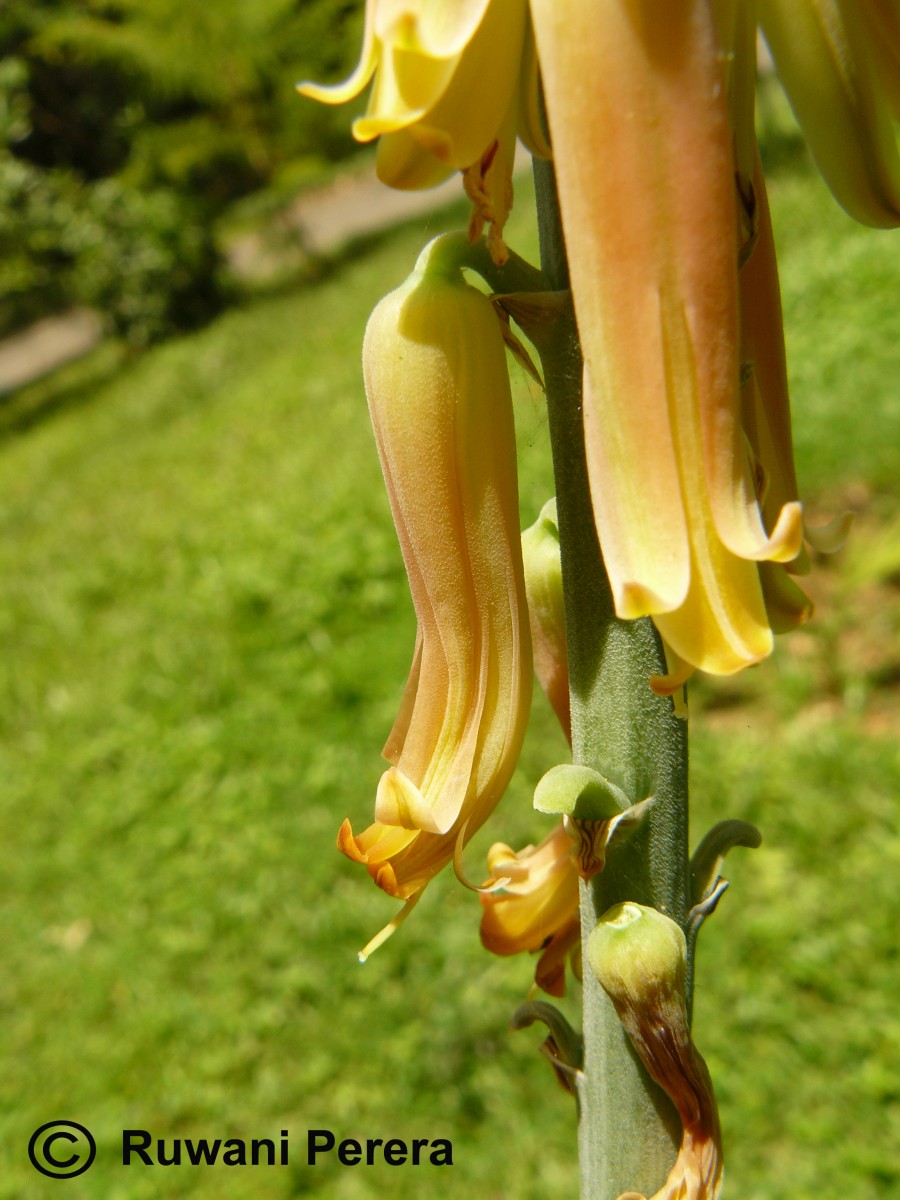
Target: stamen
392	926
484	889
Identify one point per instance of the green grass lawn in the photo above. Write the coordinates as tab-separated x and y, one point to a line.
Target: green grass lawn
207	629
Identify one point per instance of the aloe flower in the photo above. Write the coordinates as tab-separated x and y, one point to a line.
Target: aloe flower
639	121
452	85
839	62
537	908
438	390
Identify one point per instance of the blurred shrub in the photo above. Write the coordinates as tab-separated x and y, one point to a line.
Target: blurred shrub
128	126
143	258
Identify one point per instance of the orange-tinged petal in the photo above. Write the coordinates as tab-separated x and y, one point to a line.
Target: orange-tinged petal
643	159
538	908
639	117
721	626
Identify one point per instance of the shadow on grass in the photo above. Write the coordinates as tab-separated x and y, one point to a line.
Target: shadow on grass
70	387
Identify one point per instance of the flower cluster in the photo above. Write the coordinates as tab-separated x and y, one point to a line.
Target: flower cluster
647	111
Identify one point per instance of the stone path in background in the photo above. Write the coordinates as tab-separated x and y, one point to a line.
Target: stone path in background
46	345
324	219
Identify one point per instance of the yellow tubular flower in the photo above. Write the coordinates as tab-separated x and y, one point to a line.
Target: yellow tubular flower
446	94
834	60
639	121
438	390
537	909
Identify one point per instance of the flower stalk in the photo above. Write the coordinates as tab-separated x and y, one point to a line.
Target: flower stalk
628	1129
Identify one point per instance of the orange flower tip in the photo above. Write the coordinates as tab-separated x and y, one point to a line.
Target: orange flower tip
668	685
435	141
386	878
553	981
673	682
347	843
485	889
392	926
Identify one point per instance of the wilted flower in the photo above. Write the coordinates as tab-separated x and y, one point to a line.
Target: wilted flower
639	120
439	398
537	909
639	956
452	85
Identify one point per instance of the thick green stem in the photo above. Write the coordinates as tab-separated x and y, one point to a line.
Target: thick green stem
628	1130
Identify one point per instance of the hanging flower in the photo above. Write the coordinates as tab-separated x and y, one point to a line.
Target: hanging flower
537	908
453	83
839	62
638	112
439	397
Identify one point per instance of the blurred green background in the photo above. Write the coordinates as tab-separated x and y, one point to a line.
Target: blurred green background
206	633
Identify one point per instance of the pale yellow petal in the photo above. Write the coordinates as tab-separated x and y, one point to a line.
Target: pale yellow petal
472	108
340	93
403	162
435	371
437	30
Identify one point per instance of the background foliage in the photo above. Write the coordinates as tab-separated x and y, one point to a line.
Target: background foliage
127	127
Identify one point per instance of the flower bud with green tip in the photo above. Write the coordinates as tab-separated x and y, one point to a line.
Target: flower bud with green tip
546	611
